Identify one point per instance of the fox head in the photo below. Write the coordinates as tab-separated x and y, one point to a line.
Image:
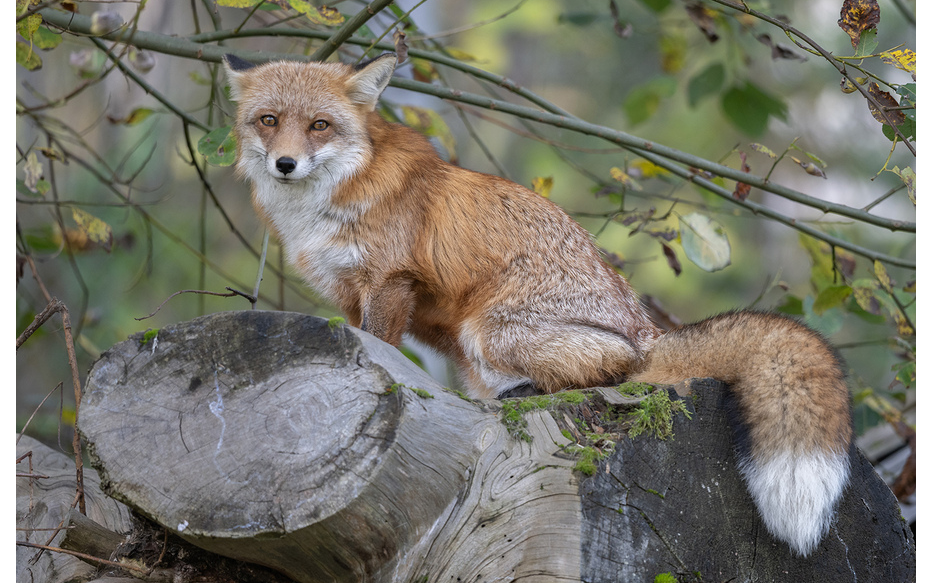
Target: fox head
300	122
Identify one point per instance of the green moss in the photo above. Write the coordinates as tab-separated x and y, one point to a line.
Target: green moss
397	386
514	420
421	393
336	322
665	578
460	394
594	437
149	335
655	415
634	389
513	410
587	462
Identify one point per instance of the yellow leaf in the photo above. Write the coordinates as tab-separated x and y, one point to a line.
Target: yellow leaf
430	123
910	179
543	185
324	15
96	230
762	149
644	169
459	54
137	116
626	180
882	274
904	59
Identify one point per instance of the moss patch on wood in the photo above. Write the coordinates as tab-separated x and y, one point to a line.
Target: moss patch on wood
593	424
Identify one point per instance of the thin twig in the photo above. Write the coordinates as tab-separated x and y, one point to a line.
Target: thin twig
84	556
186	291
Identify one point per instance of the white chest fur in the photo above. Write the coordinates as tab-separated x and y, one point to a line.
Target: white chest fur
309	226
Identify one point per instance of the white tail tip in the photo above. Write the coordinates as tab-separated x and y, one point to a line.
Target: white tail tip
797	494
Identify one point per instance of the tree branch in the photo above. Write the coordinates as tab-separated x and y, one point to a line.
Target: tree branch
662	155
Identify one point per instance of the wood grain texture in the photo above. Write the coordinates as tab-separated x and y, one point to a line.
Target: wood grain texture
272	438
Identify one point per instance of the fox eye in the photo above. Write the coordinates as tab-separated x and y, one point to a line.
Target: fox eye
320	125
268	120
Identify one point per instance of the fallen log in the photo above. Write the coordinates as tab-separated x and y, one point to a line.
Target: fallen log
314	449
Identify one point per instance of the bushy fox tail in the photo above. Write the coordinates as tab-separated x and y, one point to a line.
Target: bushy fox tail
790	408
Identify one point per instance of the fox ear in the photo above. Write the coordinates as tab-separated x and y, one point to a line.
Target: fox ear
236	67
370	79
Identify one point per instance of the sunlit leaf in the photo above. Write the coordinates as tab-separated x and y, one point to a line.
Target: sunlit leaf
831	297
45	39
762	149
705	242
904	59
29	25
883	278
135	117
32	171
673	48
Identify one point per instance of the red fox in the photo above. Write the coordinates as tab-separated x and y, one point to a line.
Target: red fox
508	286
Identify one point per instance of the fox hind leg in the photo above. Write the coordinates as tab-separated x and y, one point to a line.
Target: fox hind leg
551	356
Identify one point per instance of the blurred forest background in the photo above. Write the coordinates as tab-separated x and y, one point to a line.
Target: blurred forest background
122	200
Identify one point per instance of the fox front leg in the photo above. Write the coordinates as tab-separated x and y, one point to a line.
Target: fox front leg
387	308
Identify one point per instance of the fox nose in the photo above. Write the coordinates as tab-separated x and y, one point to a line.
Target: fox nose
285	165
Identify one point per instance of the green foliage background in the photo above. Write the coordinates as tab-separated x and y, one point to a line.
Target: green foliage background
118	144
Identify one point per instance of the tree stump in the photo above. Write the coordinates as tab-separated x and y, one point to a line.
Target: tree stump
321	452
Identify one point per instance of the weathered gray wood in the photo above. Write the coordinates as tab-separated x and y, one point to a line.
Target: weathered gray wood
45	503
323	453
86	536
271	438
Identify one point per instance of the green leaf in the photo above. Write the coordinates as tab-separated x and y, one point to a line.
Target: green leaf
657	5
579	18
29	25
792	306
827	323
644	100
218	147
748	108
27	57
705	83
45	39
908	128
831	297
867	43
705	242
137	116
